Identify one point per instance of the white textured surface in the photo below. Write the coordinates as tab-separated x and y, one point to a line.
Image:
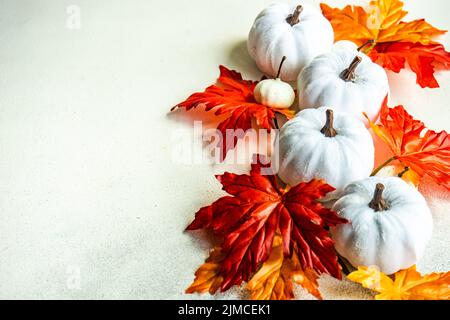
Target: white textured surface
86	177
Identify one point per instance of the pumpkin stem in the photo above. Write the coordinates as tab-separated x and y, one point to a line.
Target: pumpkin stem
365	44
294	18
281	66
349	73
275	121
375	171
346	267
401	174
378	203
328	129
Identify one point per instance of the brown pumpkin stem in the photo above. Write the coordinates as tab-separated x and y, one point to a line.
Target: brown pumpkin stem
346	267
349	73
378	203
365	44
281	66
378	169
401	174
275	121
328	129
294	18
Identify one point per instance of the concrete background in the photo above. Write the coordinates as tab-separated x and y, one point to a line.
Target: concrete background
92	204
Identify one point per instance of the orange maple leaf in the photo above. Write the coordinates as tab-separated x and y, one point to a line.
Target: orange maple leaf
422	59
394	42
408	284
233	97
207	277
423	151
350	23
382	24
274	280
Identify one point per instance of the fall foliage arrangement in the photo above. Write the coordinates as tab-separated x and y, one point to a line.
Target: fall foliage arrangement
327	210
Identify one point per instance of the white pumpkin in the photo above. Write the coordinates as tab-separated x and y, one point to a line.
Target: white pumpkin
322	144
346	79
275	93
390	224
299	32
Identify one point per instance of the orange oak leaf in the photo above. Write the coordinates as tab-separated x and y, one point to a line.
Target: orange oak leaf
249	218
394	42
233	97
423	151
274	280
207	277
408	284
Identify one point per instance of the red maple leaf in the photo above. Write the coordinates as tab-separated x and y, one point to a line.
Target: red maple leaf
422	59
256	209
232	96
423	151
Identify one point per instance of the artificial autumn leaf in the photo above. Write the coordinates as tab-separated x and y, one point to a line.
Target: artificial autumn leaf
274	281
394	42
257	207
423	151
408	284
207	277
386	14
349	23
382	24
422	59
307	278
409	176
233	97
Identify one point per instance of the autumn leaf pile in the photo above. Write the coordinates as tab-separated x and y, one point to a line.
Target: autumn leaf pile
273	236
394	42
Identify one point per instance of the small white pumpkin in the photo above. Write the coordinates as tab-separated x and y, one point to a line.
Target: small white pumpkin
346	79
322	144
299	32
390	224
275	93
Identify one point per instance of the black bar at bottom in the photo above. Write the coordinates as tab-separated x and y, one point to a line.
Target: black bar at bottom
221	309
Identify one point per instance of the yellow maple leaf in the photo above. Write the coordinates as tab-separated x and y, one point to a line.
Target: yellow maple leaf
407	285
386	13
207	277
274	280
414	31
306	278
380	23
